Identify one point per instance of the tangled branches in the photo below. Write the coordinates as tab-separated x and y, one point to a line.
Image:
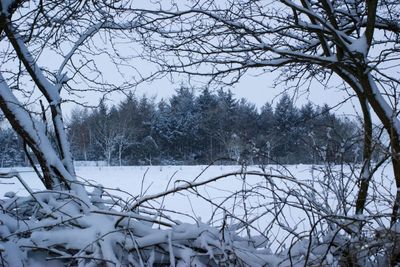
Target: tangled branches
258	225
51	225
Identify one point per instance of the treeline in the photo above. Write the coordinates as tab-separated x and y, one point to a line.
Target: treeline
11	147
190	129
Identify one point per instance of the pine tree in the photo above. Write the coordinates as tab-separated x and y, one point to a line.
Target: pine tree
207	108
286	143
307	119
265	134
184	123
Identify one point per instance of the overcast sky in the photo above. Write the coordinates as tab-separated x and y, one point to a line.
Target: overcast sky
258	89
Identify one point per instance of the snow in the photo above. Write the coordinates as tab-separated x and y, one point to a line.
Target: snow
391	114
155	179
138	183
359	45
143	181
36	131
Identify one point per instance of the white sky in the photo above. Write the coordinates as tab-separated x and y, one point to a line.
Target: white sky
257	89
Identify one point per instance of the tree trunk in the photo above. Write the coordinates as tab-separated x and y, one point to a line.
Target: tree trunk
391	123
365	175
120	155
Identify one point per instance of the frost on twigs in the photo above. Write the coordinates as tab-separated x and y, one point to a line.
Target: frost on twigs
56	228
49	227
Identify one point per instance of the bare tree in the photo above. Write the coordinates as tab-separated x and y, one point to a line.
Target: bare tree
55	49
356	41
76	34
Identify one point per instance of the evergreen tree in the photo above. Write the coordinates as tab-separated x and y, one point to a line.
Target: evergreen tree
245	127
161	128
190	129
286	142
265	137
183	123
225	131
146	147
81	133
307	119
12	153
208	113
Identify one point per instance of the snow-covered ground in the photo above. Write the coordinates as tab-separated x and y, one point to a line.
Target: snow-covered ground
147	180
133	182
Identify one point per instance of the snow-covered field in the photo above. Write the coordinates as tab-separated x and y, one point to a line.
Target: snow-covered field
252	193
147	180
281	209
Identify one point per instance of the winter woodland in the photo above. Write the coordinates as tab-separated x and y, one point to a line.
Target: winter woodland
346	204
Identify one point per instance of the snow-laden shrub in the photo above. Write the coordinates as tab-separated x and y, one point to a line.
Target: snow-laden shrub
57	228
53	228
